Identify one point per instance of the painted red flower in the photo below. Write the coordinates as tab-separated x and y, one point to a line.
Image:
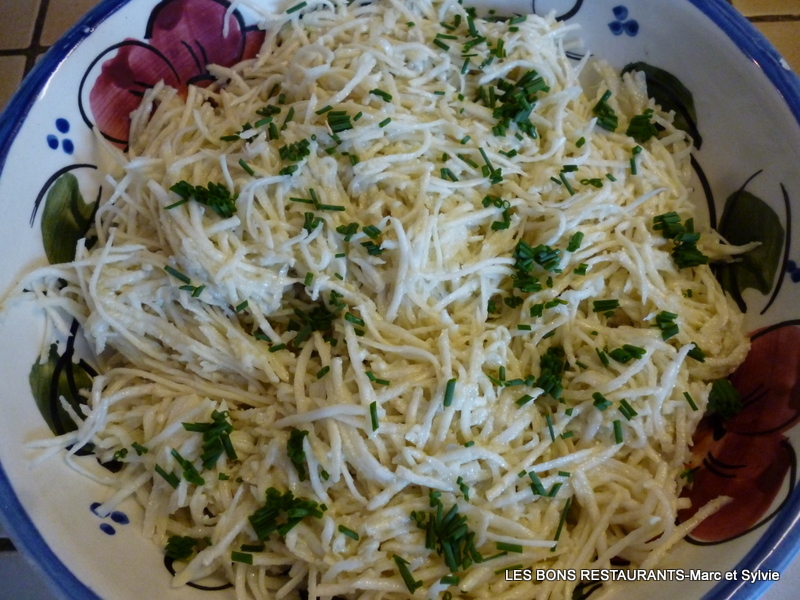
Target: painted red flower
747	457
182	38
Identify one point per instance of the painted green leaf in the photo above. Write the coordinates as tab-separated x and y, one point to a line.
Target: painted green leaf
746	218
66	219
668	91
47	398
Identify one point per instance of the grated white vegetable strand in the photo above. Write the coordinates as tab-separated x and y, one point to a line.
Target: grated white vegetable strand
420	307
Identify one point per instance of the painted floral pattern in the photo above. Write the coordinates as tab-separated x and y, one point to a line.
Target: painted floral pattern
748	456
183	38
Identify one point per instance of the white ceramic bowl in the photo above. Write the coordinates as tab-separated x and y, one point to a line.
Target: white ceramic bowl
730	87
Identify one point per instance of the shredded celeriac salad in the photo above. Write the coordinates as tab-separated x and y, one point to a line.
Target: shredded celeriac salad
395	306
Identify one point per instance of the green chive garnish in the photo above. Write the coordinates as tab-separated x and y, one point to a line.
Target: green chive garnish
448	391
373	414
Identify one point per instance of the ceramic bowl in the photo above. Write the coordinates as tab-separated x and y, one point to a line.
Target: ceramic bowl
729	89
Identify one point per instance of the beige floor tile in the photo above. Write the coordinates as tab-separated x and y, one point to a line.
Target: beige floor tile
11	70
754	8
16	26
61	15
785	36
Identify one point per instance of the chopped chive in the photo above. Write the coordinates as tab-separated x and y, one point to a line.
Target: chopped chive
242	557
373	415
554	490
450	580
371	231
448	174
449	391
441	44
172	479
564	473
405	574
309	279
348	532
252	547
580	142
469	444
385	122
139	448
690	400
223	477
323	371
277	347
177	275
350	317
358	116
566	183
696	353
580	269
380	93
468	160
324	109
600	401
340	255
618	431
295	8
536	485
178	203
524	400
627	410
550	427
603	357
567	434
561	522
289	117
605	305
509	547
370	375
575	241
240	307
524	327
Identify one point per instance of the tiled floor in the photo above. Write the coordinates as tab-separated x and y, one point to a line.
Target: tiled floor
29	27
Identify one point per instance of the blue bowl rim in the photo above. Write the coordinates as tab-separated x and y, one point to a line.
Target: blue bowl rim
773	551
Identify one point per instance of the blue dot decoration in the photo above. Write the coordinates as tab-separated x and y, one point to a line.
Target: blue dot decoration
117	516
53	141
631	27
621	24
120	517
793	271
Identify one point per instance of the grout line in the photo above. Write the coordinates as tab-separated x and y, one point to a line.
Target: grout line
774	18
6	545
35	49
